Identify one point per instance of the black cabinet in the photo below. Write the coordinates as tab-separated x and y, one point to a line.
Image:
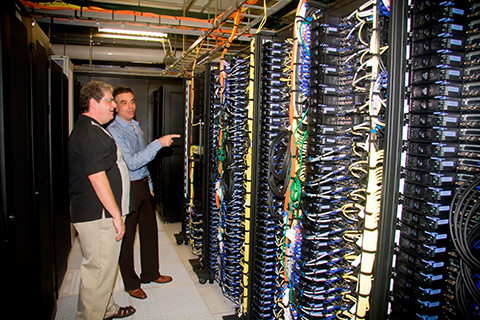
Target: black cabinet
32	178
59	197
167	169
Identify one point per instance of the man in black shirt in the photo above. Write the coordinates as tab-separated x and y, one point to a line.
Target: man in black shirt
99	192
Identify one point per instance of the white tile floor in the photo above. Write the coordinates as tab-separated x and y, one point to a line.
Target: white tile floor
182	299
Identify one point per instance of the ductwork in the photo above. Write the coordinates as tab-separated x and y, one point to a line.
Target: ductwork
105	53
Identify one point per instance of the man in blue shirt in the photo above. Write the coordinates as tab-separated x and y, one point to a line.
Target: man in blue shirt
129	137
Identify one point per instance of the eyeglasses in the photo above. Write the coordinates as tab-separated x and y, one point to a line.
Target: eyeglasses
108	100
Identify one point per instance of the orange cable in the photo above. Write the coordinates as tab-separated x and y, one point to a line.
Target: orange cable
293	149
98	9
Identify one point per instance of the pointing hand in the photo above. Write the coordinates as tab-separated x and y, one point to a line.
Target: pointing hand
167	140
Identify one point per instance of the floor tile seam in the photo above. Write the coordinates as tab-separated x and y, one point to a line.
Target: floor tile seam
161	262
170	286
180	262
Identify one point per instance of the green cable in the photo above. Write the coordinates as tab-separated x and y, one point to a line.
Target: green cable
295	188
301	37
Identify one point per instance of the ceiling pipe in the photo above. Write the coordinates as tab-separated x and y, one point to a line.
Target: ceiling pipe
177	29
104	53
125	16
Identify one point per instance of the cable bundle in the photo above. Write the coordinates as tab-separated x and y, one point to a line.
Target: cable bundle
233	145
196	230
465	232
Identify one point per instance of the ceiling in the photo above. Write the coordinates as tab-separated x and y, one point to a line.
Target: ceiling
198	31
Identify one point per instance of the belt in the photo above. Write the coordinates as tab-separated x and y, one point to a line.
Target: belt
143	180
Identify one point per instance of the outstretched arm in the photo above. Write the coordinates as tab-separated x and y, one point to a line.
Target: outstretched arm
134	160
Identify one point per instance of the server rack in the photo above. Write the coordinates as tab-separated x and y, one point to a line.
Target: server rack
432	279
210	226
233	171
207	230
223	168
270	151
197	164
195	173
182	236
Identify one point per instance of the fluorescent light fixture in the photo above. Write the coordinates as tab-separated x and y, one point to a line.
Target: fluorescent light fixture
134	32
127	37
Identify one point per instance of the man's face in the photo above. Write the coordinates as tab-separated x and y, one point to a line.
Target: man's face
125	106
105	108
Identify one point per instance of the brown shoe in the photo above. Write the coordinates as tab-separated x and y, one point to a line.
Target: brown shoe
138	293
163	279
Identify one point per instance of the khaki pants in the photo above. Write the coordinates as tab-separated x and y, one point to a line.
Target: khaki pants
99	269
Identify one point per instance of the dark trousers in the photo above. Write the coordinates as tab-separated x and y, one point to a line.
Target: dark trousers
144	216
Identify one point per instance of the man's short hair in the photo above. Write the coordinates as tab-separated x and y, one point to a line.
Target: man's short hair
92	90
120	90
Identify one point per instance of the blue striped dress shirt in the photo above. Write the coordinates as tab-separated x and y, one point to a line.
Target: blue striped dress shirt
129	137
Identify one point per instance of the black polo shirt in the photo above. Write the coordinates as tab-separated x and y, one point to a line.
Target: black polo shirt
91	150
